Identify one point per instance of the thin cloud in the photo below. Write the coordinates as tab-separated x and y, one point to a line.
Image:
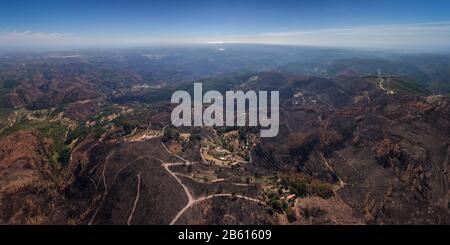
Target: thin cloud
37	38
421	35
408	29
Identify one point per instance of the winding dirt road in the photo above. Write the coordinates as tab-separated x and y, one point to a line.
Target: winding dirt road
166	165
136	200
191	200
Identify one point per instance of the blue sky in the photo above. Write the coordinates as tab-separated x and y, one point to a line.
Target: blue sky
370	23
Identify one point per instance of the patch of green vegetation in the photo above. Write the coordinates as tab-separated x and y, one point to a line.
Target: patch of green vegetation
304	186
105	112
407	85
55	132
82	131
275	203
323	190
258	179
299	187
44	128
79	132
170	134
127	124
441	88
194	140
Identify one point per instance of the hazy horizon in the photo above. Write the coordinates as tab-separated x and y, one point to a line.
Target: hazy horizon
409	25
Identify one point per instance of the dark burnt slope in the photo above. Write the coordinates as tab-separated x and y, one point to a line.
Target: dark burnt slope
389	153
